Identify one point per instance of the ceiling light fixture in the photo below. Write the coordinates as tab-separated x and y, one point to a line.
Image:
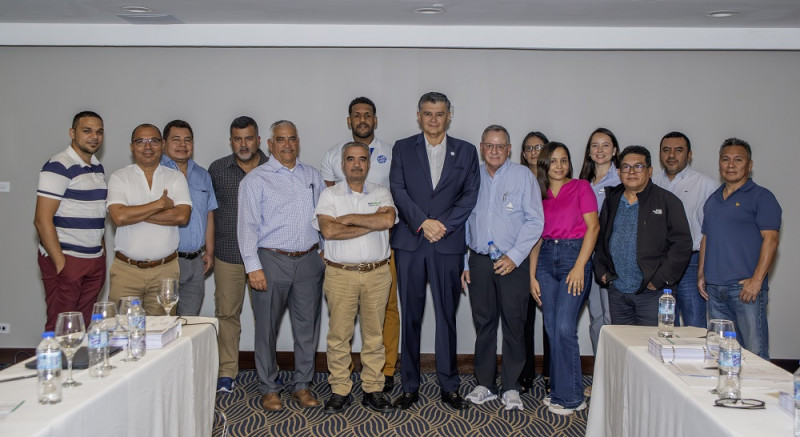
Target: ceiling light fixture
722	14
137	9
434	9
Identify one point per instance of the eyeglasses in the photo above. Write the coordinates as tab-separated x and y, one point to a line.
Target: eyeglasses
498	147
635	168
529	149
742	404
152	141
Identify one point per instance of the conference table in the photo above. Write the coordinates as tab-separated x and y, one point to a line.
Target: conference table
169	392
636	395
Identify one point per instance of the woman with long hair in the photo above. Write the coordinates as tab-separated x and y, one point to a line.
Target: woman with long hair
532	145
561	271
600	162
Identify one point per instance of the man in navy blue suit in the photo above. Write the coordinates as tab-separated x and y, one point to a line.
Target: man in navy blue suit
434	181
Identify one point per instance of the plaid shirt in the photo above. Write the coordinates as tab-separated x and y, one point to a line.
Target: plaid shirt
225	177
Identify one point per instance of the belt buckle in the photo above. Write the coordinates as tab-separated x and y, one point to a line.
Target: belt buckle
364	267
139	264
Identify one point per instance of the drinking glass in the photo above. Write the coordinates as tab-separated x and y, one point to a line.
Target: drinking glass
716	327
168	296
125	307
70	331
109	313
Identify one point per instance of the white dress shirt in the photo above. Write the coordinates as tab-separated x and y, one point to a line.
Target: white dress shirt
693	189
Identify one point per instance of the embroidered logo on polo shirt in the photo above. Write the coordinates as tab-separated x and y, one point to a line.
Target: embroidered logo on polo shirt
381	159
737	203
657	211
374	203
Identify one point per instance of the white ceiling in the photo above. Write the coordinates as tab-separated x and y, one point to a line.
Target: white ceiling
582	13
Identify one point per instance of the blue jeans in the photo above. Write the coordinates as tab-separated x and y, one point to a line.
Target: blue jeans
749	319
691	306
561	310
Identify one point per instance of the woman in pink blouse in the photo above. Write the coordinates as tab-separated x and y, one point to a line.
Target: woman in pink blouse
561	271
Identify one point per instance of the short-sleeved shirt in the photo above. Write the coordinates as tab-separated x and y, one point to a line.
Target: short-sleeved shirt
733	232
380	161
693	188
193	234
128	186
563	215
340	200
81	215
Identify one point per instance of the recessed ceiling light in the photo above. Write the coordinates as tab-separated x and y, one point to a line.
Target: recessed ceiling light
432	10
137	9
722	14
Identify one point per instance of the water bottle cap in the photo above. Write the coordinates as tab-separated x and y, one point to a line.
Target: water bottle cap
97	317
48	334
136	302
491	242
668	291
729	334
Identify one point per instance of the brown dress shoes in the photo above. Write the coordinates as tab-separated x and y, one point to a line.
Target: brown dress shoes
305	398
271	402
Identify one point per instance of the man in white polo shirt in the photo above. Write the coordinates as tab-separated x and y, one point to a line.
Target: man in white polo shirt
147	201
355	218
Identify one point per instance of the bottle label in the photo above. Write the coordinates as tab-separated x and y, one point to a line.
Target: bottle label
48	360
729	358
666	308
98	339
796	390
137	322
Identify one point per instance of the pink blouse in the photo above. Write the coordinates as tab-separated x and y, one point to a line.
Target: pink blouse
563	215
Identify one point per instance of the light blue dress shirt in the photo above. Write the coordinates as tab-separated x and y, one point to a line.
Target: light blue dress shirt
509	212
193	234
611	179
276	206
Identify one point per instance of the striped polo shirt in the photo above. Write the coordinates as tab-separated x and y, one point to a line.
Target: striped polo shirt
81	215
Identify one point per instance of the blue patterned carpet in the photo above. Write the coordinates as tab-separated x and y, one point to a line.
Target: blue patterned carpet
239	414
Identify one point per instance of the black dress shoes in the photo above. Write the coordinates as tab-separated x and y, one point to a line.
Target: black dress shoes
406	400
336	403
526	382
377	402
454	400
388	384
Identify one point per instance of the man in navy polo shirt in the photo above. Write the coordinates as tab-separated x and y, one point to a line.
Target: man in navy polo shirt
740	239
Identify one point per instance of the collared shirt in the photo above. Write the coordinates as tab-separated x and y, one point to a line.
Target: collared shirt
225	177
276	206
380	162
622	246
733	232
81	188
436	154
193	234
509	212
611	179
340	200
128	186
693	188
564	213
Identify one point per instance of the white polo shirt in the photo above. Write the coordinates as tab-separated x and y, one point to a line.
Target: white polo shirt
339	200
128	186
380	162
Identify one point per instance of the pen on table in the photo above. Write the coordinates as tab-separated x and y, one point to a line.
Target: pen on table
18	405
19	377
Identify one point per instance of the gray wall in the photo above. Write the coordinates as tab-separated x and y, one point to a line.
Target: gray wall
640	95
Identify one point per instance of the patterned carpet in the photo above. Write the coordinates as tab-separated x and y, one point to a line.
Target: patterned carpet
239	414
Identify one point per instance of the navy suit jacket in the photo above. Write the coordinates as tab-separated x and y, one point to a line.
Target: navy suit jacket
416	200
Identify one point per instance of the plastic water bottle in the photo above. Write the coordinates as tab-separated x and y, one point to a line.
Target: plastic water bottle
98	347
797	402
494	252
48	364
666	314
730	364
136	329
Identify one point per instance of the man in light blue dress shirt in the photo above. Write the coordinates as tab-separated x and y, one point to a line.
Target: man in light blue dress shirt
279	248
196	246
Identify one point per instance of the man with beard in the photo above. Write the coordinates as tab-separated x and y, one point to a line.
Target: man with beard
229	275
70	220
362	122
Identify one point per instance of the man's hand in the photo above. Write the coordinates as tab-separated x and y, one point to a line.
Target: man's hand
465	280
504	266
750	289
434	230
651	287
257	280
165	202
701	286
208	262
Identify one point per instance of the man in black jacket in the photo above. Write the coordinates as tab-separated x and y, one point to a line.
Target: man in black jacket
644	243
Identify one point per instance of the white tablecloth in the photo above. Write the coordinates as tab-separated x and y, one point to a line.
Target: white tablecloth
635	395
170	392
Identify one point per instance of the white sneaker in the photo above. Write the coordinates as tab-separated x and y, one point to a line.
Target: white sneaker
564	411
512	401
480	394
546	400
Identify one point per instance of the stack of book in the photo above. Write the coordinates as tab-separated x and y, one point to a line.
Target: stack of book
672	349
161	331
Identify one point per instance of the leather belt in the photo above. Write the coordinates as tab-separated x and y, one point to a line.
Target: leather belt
146	264
361	268
294	254
191	255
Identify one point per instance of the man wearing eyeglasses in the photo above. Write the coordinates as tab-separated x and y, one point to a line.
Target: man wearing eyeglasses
147	202
644	243
508	213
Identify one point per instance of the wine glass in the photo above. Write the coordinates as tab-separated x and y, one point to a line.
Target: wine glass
168	296
716	328
70	331
124	308
109	313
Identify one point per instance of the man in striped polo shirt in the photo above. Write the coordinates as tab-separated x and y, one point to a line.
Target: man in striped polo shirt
70	220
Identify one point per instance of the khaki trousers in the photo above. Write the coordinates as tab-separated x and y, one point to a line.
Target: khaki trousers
229	283
128	280
391	325
350	294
